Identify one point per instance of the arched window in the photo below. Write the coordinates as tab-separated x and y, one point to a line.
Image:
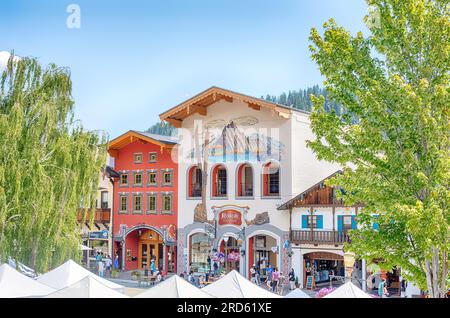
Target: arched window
271	179
195	182
219	181
245	181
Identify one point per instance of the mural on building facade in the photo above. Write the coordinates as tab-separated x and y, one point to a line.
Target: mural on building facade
237	141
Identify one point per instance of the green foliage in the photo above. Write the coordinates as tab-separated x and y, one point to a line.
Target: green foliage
162	128
48	165
301	99
396	157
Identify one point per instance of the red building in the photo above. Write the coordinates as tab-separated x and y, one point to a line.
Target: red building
145	200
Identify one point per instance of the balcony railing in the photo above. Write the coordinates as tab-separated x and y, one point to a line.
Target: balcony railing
101	215
319	237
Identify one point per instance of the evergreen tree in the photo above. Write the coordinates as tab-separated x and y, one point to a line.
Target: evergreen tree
162	128
301	99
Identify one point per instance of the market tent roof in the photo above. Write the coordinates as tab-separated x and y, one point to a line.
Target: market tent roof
234	285
70	273
27	271
174	287
348	290
14	284
88	287
297	293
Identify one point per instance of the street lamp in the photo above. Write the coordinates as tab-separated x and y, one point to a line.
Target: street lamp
349	261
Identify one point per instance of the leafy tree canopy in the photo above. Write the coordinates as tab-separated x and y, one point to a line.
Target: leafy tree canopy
48	165
396	157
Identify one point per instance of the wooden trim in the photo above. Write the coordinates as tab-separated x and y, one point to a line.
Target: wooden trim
176	114
129	137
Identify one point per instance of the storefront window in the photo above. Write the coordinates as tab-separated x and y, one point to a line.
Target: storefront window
200	249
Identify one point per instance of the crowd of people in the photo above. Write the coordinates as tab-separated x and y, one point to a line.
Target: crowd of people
275	280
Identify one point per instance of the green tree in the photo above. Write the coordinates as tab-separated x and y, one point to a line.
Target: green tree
48	165
162	128
396	156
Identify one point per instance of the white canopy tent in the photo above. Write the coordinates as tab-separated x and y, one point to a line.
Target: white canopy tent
88	287
174	287
297	293
27	271
348	290
14	284
70	273
234	285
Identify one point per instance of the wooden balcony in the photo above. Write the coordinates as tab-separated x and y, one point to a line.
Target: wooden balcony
319	237
101	215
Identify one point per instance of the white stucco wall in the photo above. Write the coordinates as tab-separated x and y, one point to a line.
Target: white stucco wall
268	124
307	170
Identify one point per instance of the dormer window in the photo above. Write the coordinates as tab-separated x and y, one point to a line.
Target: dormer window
137	157
152	157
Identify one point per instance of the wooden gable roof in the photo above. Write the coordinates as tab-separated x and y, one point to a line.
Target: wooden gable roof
318	195
133	135
200	102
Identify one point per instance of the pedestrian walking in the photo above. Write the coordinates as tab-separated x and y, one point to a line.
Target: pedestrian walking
275	279
152	266
292	279
108	265
116	262
253	274
269	272
382	289
257	276
101	268
191	278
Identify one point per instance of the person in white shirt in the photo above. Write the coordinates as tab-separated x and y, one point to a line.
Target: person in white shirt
108	265
101	267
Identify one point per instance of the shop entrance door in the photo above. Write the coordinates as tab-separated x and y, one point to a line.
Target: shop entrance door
149	248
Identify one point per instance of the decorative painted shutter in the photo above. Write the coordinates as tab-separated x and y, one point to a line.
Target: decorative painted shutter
304	221
375	225
266	181
319	219
340	222
353	222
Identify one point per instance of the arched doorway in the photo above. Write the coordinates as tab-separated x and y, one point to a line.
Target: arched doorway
263	251
150	246
199	251
230	247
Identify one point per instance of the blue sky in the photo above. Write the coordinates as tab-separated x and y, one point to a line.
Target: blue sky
131	60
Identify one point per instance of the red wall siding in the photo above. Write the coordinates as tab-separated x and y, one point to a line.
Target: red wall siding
124	160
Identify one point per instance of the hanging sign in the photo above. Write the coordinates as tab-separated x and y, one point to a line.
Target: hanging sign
99	235
230	217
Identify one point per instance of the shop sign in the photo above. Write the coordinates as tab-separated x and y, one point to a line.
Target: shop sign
98	235
230	217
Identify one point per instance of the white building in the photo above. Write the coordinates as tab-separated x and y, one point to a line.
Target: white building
98	235
319	225
258	160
